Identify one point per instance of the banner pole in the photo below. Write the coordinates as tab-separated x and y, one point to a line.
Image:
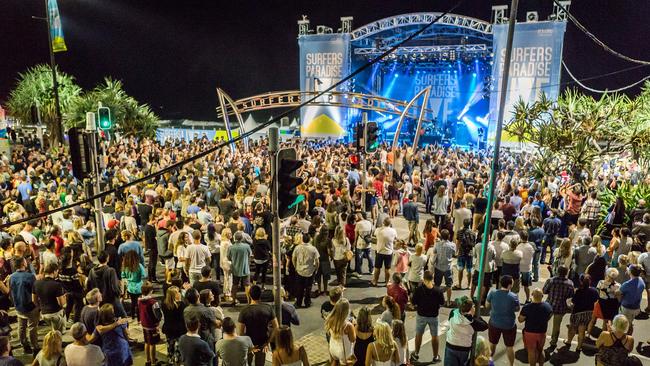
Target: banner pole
495	163
58	128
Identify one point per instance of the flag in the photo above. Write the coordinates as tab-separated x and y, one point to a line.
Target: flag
56	31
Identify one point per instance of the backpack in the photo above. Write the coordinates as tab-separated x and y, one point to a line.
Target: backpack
155	312
467	239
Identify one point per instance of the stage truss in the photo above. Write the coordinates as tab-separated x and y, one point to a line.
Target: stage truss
418	19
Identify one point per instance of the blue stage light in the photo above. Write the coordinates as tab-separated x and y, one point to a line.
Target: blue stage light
474	74
396	75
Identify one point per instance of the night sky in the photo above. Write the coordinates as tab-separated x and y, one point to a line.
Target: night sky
173	54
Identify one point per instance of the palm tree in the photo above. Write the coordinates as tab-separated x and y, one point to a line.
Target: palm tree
35	87
129	117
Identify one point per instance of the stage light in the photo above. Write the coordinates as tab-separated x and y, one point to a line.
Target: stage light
396	75
474	74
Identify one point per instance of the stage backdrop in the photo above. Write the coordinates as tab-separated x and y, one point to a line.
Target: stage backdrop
324	60
535	67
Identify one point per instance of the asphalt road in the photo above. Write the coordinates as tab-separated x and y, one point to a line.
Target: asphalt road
359	292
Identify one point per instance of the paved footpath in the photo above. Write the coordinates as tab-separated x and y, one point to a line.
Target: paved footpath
311	335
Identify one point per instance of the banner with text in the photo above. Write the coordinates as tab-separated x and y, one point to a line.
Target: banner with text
535	67
324	61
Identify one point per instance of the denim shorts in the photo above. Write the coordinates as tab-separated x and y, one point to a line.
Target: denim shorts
421	323
526	279
464	262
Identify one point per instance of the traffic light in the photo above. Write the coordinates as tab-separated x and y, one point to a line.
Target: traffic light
371	137
104	115
287	180
357	136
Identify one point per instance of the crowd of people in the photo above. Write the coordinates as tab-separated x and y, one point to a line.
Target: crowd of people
203	234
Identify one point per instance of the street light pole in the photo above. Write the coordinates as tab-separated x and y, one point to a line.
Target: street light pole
495	159
58	128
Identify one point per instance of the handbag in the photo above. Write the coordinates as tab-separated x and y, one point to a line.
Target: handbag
349	255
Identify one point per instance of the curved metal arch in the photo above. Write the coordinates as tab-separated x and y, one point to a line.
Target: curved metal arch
292	98
223	98
404	20
424	91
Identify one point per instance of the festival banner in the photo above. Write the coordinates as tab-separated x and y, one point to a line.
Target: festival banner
535	67
56	30
324	61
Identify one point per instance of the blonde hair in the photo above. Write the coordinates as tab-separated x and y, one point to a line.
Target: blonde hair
226	233
335	322
611	274
418	249
565	248
519	223
384	338
597	243
620	324
482	352
260	233
52	346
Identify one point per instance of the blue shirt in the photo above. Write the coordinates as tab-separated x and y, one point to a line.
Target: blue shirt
193	209
632	291
22	286
129	246
503	306
536	236
25	189
239	255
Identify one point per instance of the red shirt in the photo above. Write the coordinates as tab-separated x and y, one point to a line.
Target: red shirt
145	305
58	244
399	294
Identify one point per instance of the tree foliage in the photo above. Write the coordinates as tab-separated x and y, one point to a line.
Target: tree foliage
577	130
129	117
34	86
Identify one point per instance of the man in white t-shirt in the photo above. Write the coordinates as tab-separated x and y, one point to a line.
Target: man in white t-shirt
362	233
197	256
80	353
386	236
526	265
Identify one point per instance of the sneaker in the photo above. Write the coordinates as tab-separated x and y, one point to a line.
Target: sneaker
436	359
414	357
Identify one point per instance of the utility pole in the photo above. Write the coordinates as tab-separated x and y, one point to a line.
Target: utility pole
275	236
58	129
91	133
495	159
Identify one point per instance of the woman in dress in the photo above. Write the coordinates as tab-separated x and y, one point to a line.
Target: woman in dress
115	340
607	306
364	332
286	352
342	333
583	306
383	351
213	241
430	234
